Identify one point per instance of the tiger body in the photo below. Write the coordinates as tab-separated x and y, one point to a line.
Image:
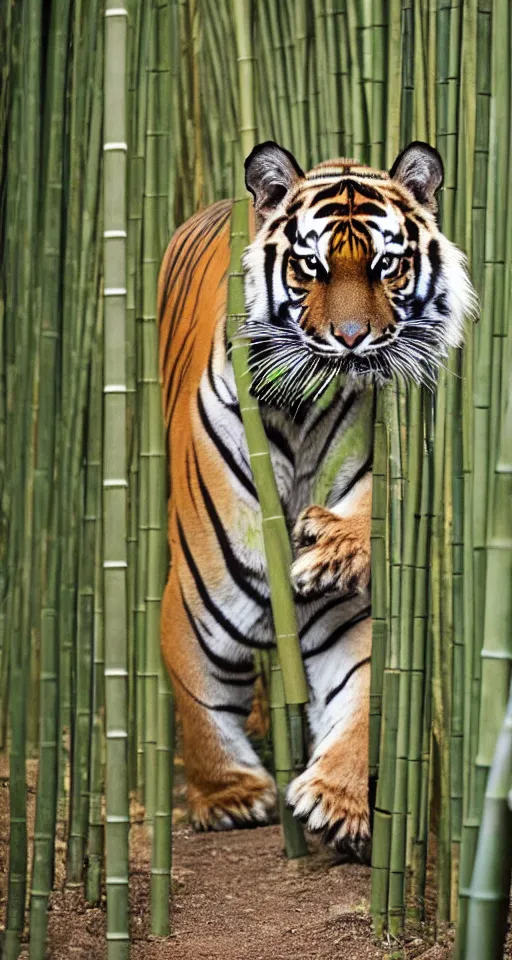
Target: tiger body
216	607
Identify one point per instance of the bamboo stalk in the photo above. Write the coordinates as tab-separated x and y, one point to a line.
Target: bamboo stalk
115	483
25	154
490	885
95	834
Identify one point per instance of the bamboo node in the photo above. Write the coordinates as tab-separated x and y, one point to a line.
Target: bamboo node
495	654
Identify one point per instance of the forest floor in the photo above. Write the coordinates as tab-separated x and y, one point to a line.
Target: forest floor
236	897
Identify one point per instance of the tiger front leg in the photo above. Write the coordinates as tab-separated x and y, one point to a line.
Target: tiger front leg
333	546
331	797
227	786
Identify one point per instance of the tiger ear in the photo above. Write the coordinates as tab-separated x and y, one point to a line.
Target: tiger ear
270	172
420	168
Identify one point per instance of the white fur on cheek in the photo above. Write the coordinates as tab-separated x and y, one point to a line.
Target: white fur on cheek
461	296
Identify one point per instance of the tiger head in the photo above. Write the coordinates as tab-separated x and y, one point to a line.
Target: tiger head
349	273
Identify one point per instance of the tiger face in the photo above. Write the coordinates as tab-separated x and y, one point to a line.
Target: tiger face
349	273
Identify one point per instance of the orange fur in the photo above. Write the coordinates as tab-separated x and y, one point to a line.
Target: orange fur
334	550
191	326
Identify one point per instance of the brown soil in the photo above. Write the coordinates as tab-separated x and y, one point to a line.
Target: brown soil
236	897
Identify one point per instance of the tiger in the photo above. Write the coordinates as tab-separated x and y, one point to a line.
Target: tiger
348	282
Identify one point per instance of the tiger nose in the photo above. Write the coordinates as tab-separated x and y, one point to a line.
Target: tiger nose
351	331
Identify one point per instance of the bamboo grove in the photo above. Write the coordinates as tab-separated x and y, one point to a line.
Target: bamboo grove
117	121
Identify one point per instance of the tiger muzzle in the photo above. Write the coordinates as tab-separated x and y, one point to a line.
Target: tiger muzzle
351	333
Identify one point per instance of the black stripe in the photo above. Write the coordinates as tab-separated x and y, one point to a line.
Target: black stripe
184	238
179	306
284	268
367	191
274	226
318	614
186	360
332	210
412	229
225	453
194	238
207	231
189	479
237	681
334	693
270	259
233	406
212	608
328	193
349	403
370	209
435	263
278	440
338	633
219	708
290	231
221	663
294	207
364	468
239	571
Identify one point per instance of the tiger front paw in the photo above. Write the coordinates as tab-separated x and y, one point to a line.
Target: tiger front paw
246	799
334	806
333	552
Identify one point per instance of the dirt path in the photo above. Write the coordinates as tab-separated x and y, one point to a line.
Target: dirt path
236	897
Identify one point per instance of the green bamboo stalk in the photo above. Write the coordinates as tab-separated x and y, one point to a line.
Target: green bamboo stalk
135	21
418	476
494	682
441	666
378	39
301	43
79	812
114	482
46	548
449	61
81	267
381	598
80	572
24	153
277	545
162	836
152	251
400	656
46	804
490	885
347	144
473	453
420	693
405	797
50	280
95	834
139	466
394	74
9	100
275	536
30	192
380	585
158	705
359	101
280	88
